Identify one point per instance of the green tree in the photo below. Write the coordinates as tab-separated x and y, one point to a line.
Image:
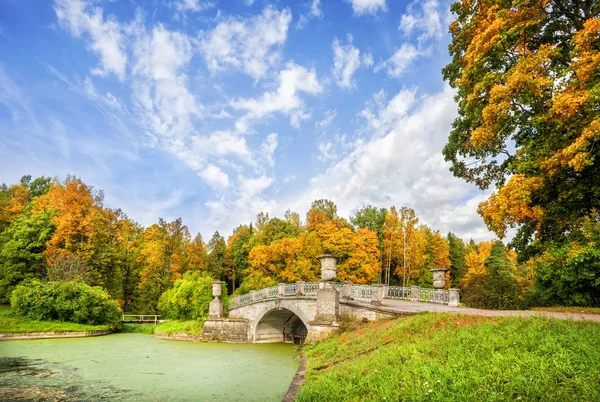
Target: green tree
189	298
37	187
22	247
216	256
502	291
569	274
327	207
457	258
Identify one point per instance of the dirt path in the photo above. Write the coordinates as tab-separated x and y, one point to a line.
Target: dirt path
413	307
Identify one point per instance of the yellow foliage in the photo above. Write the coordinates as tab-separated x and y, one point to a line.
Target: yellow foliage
511	204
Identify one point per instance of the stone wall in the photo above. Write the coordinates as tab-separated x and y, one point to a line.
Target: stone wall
371	312
235	330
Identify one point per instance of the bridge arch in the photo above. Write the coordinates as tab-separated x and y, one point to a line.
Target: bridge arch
273	322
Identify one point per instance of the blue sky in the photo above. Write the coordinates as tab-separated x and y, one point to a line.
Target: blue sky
216	110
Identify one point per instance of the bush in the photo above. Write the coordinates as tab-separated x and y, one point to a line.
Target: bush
189	298
497	288
568	275
65	301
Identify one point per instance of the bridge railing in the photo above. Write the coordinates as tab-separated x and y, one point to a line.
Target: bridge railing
434	296
310	288
290	289
358	292
398	292
362	292
140	318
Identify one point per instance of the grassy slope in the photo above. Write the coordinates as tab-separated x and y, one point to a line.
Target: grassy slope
15	324
580	310
181	327
457	357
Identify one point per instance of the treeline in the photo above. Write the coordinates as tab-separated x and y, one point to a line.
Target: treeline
62	231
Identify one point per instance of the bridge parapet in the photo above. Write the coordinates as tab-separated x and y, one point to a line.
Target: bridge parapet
357	292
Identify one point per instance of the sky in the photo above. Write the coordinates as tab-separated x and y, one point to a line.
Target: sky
216	110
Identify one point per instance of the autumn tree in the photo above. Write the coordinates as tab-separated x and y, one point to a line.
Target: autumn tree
372	218
164	260
197	254
403	245
13	199
526	75
78	212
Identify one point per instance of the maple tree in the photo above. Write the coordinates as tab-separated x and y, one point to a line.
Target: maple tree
78	210
528	89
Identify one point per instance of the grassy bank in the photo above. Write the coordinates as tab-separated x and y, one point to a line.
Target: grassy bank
11	323
181	327
577	310
457	358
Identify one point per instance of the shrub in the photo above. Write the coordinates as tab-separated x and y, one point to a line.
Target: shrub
498	287
568	275
189	298
65	301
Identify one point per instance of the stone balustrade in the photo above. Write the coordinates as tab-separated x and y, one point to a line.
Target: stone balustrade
348	290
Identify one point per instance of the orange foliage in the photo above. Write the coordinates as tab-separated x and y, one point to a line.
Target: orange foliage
511	205
78	212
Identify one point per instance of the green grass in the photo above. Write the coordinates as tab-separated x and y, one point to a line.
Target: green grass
11	323
579	310
445	357
181	327
138	328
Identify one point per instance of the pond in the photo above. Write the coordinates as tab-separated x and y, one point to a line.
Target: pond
132	367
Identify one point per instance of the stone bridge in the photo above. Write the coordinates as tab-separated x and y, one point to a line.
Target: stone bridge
310	310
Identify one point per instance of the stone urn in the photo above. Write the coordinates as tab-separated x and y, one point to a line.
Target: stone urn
328	266
217	289
439	278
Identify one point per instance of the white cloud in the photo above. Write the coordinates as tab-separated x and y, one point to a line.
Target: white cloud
293	80
401	60
193	5
328	117
315	8
401	164
346	60
165	105
326	151
109	99
105	36
267	149
215	177
425	20
250	45
383	115
361	7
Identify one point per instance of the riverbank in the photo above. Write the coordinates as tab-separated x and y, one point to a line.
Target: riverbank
13	326
457	357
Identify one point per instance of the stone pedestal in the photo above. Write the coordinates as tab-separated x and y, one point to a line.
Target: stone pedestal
347	291
328	304
378	293
454	299
328	301
281	289
215	308
415	293
299	288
